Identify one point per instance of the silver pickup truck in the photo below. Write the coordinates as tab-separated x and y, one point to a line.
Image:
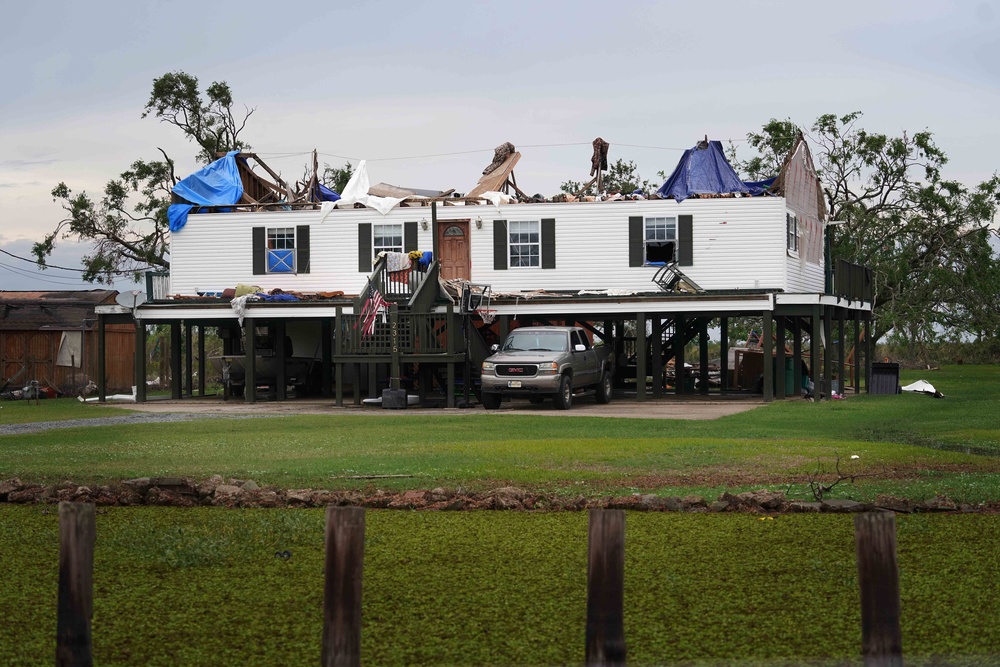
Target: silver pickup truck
537	362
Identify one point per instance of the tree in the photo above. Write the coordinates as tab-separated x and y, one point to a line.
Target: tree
128	224
926	238
621	177
336	179
209	121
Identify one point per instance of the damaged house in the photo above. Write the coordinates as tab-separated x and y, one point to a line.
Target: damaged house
346	294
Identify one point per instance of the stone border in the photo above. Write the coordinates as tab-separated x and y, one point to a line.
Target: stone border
218	492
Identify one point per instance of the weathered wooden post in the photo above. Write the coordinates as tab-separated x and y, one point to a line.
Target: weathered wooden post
878	577
76	585
345	547
606	589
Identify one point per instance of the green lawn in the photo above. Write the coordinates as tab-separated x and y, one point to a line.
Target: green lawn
909	445
58	409
202	587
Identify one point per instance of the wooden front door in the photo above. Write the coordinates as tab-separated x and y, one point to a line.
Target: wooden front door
453	246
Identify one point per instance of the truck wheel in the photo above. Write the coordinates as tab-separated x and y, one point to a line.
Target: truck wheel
491	401
564	399
604	388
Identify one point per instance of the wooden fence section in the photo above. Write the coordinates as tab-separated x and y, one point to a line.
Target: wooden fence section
875	542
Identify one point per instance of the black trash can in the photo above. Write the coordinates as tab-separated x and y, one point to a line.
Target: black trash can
885	378
394	399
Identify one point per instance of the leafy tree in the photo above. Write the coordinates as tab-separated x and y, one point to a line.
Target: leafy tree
128	224
621	176
336	179
128	238
207	120
925	237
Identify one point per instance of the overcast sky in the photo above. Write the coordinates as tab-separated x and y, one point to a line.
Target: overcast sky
384	81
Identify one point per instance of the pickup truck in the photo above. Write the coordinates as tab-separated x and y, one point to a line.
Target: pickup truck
537	362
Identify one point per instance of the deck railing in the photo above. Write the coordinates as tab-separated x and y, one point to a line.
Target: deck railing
853	281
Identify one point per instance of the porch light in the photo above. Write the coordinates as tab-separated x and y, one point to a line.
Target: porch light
479	223
423	224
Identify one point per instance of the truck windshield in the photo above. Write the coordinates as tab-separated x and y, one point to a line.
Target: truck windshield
540	342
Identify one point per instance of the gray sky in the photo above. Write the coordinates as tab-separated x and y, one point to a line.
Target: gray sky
380	80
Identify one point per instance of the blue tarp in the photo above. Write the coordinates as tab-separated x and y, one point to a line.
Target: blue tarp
704	171
218	184
324	193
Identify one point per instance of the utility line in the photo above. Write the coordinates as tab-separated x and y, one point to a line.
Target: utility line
486	150
36	277
66	268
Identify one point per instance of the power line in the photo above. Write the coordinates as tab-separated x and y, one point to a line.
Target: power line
66	268
36	277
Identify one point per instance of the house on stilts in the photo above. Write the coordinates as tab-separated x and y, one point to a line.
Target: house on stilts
344	295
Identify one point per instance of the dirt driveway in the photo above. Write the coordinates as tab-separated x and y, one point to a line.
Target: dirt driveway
664	408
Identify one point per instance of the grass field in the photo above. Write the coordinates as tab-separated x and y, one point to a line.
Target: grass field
909	445
202	586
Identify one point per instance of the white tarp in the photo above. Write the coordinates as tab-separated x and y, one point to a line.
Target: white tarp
922	387
70	349
356	192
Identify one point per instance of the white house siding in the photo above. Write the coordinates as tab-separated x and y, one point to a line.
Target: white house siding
737	244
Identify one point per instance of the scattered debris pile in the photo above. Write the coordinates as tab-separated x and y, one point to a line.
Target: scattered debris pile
217	491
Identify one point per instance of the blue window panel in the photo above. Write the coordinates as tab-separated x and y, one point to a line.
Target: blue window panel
281	261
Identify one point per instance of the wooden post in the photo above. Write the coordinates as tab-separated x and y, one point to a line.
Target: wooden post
797	355
176	377
878	577
280	360
640	357
188	360
345	547
76	585
680	375
724	354
657	355
767	347
250	360
102	374
779	359
140	361
827	352
857	352
703	355
326	363
814	350
201	359
606	588
842	337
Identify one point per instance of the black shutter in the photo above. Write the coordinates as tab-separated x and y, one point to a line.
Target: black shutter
302	249
685	238
636	241
409	236
548	243
259	250
499	245
365	247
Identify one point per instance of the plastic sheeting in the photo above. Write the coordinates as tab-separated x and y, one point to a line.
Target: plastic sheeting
217	184
703	171
324	193
356	192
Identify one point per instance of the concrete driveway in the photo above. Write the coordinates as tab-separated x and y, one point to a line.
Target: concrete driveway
663	408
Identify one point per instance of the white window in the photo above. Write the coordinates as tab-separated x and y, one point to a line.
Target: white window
281	250
792	231
387	238
525	243
660	241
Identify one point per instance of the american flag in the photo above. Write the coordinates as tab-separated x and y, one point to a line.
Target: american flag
373	304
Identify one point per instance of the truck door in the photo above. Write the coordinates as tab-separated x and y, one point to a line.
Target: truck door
585	368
